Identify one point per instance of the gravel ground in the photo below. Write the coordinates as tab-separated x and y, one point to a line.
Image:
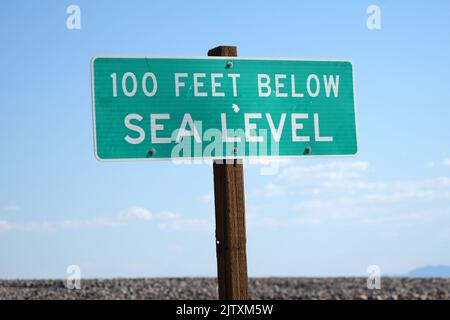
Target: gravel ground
206	288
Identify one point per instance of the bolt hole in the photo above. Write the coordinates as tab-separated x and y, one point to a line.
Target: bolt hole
151	152
308	150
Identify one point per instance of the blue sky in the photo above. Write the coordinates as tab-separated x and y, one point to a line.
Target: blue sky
389	206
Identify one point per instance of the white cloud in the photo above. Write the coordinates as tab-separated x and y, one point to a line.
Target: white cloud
268	161
51	226
4	225
166	215
264	222
269	166
273	189
446	162
207	197
9	208
335	191
125	217
270	190
342	191
188	224
333	171
137	213
313	179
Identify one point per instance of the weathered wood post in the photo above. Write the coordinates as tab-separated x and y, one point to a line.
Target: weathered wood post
230	219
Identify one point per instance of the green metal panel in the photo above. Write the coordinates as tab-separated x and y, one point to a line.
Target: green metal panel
315	98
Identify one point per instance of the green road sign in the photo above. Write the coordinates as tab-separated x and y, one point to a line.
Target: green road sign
222	107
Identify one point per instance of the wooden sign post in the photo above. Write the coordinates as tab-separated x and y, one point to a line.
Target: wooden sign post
230	219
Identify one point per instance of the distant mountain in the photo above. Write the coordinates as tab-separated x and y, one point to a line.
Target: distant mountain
430	272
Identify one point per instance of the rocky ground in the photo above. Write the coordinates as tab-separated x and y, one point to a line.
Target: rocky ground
206	288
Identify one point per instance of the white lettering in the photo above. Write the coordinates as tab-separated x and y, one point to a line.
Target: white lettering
298	126
251	126
179	84
317	131
135	128
154	127
262	85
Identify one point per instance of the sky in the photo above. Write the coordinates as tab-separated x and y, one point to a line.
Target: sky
388	206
